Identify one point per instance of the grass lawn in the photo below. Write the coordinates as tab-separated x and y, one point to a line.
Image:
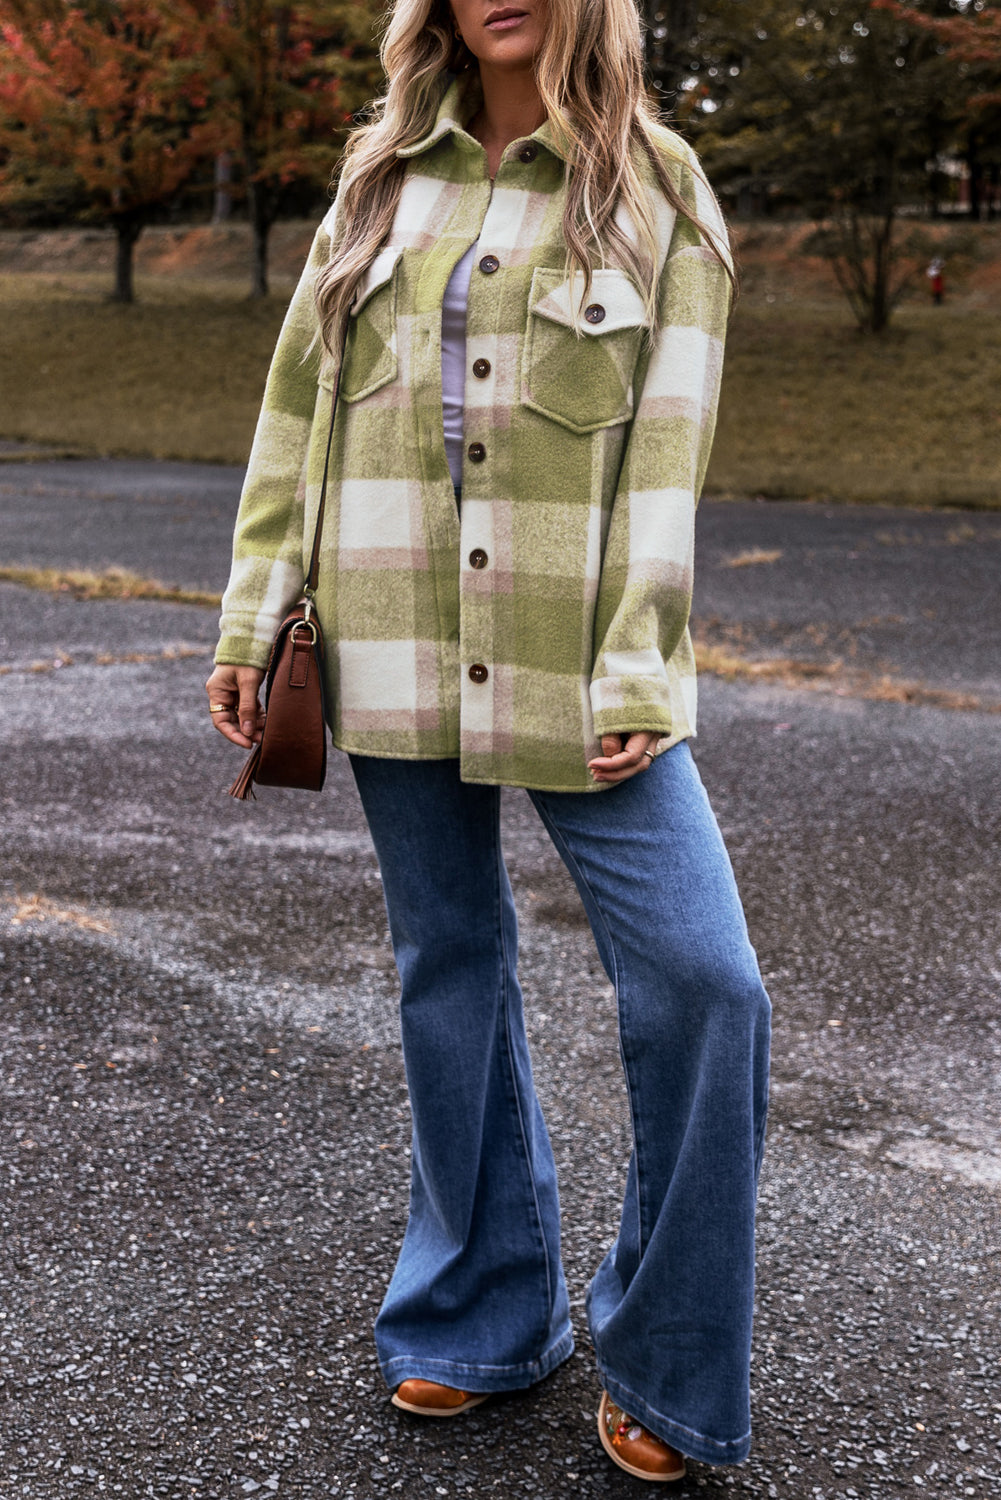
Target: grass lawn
179	374
810	407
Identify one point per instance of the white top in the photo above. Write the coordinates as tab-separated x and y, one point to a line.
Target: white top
453	360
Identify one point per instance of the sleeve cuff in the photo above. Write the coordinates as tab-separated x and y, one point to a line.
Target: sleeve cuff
243	651
609	722
622	705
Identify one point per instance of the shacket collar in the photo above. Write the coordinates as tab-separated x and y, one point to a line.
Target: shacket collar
452	109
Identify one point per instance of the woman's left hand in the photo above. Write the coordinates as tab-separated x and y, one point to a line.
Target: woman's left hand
233	703
623	755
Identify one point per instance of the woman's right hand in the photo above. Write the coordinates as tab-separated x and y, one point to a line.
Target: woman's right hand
233	703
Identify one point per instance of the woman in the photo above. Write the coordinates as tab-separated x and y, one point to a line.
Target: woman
535	284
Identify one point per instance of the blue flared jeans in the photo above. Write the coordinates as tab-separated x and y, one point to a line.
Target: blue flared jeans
478	1298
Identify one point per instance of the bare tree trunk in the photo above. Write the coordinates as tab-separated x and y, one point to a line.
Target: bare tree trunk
128	228
862	251
882	265
223	199
260	227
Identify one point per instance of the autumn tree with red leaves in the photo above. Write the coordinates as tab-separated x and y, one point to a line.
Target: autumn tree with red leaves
104	107
290	78
109	108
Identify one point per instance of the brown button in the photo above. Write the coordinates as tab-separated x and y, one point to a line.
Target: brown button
489	264
477	558
528	153
481	368
476	453
595	313
478	672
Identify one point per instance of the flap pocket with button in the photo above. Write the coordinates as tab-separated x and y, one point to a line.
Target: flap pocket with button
582	377
370	355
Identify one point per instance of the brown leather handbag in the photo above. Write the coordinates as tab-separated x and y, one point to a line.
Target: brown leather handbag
292	750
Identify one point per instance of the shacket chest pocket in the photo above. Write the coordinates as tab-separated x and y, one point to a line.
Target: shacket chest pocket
370	355
583	380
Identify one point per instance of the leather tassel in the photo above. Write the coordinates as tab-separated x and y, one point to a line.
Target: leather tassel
243	786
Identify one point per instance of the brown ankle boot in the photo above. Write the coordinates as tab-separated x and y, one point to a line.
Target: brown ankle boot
633	1448
428	1399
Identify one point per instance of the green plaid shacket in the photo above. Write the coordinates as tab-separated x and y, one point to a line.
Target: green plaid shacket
554	608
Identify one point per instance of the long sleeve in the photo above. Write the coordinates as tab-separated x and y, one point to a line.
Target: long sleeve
643	675
555	600
267	573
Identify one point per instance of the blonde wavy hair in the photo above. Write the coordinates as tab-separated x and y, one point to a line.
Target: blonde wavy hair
590	77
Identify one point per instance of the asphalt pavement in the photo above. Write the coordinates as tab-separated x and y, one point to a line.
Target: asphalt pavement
205	1127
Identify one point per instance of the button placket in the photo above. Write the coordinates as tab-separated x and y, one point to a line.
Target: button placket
481	367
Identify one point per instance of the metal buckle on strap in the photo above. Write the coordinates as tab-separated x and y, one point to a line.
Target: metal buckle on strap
307	624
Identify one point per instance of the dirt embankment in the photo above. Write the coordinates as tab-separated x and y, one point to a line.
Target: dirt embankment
774	261
771	254
202	251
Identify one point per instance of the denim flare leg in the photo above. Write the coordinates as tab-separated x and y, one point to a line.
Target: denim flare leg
478	1298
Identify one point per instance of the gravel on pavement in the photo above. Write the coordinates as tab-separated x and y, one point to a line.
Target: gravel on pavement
205	1127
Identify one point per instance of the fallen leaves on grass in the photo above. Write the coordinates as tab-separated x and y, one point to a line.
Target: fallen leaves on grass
956	536
37	908
113	583
833	677
721	662
130	658
48	664
895	690
110	659
751	556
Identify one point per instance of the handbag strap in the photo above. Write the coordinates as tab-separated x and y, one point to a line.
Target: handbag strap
313	575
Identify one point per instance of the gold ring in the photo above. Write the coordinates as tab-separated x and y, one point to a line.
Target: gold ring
218	708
